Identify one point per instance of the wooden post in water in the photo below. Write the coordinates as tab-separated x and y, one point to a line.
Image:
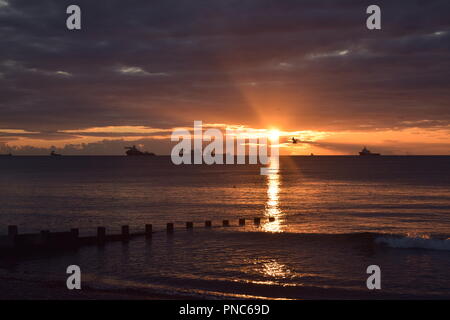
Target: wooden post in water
12	231
148	230
242	222
225	223
208	223
189	225
125	233
44	236
75	232
101	234
257	221
169	228
271	219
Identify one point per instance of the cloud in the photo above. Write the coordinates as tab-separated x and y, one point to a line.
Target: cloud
339	53
137	71
298	65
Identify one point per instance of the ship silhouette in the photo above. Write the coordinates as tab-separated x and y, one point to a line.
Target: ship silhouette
367	152
133	151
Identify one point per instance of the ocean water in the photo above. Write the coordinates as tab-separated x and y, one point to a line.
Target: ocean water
334	216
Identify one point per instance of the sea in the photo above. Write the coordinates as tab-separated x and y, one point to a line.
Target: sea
333	217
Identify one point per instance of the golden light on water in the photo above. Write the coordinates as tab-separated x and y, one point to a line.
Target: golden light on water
275	270
272	208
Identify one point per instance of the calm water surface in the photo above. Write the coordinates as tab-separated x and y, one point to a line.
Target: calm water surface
334	217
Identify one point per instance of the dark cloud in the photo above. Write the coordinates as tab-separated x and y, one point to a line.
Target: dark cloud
167	63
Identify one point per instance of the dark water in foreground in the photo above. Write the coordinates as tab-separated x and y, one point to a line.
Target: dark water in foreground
334	217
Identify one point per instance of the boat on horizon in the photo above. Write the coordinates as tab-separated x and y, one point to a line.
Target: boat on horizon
367	152
133	151
54	154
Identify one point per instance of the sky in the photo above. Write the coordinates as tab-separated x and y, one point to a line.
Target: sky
310	69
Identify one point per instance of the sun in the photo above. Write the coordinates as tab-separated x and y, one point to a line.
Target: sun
274	135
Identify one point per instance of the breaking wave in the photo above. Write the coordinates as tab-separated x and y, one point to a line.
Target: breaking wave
414	242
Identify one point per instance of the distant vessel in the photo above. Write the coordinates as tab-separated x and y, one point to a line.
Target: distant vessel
133	151
366	152
54	154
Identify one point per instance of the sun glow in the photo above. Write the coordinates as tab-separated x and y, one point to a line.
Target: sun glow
274	135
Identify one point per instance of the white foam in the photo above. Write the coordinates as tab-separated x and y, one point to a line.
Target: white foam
414	243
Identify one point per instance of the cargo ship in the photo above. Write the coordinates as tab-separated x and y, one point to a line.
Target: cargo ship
133	151
367	152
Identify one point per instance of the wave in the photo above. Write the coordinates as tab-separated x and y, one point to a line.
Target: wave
414	242
397	241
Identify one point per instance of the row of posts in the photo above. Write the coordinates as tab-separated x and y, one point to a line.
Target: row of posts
225	223
101	231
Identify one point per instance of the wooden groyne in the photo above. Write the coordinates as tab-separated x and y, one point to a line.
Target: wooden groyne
14	242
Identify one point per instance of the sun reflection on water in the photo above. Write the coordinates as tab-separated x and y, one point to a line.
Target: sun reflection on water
272	208
275	270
